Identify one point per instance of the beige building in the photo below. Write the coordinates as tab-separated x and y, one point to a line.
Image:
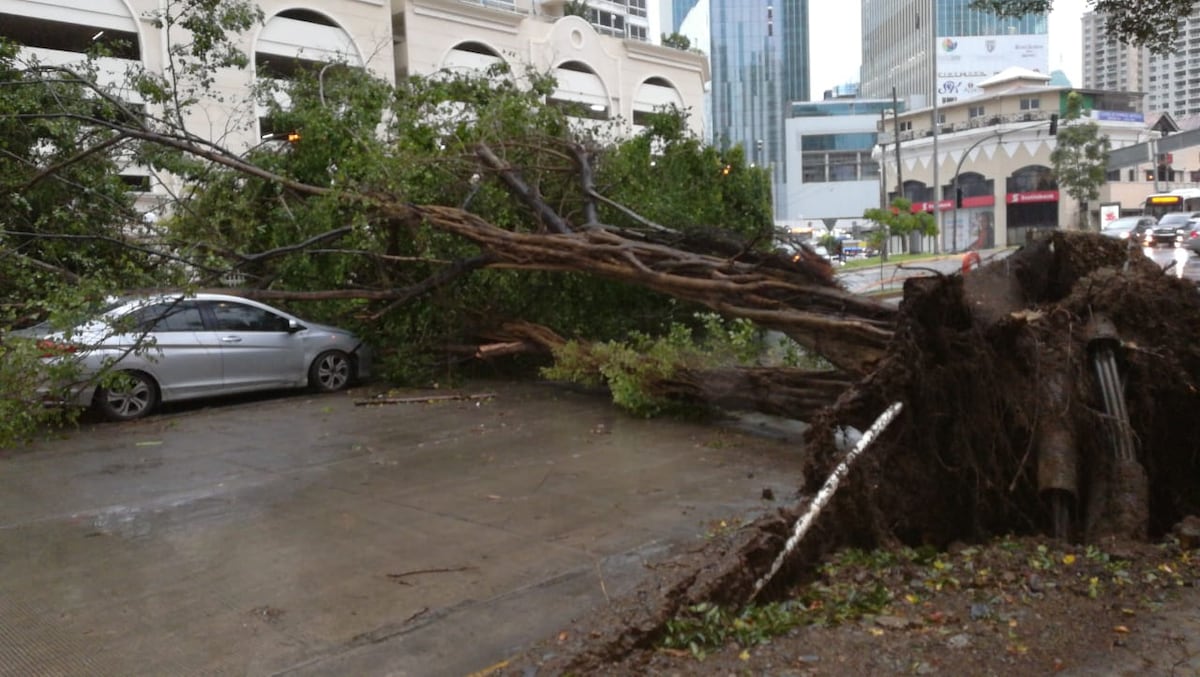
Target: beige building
996	148
604	62
614	77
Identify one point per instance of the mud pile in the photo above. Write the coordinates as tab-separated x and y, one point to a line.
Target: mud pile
1006	430
1005	419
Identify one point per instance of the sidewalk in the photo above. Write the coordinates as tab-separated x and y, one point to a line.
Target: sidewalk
887	279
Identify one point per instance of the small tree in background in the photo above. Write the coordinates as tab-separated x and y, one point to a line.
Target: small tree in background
677	41
1080	157
899	219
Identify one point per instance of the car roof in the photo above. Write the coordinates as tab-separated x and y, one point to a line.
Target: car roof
125	301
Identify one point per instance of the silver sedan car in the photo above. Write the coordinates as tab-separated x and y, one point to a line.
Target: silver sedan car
142	351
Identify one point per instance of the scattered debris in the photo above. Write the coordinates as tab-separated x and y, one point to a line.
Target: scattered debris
267	613
398	578
422	399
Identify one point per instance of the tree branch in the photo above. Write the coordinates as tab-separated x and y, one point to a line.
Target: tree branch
38	263
524	191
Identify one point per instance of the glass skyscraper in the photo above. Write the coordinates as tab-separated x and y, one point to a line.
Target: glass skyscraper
970	46
759	54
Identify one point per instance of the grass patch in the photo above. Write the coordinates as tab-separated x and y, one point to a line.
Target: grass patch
875	261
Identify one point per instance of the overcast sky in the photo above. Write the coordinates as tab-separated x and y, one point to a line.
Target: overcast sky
835	32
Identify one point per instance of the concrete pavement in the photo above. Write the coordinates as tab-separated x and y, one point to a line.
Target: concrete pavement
309	536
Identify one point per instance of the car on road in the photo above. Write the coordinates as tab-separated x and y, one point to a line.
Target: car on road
1129	228
1170	228
1190	235
137	352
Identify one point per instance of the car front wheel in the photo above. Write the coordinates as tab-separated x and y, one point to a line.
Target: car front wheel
130	396
330	372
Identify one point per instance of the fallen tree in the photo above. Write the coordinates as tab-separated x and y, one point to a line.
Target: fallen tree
1004	423
1008	420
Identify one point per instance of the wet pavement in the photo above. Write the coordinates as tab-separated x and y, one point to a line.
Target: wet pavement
309	536
888	278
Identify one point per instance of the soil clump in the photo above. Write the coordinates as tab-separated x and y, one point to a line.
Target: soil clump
1007	436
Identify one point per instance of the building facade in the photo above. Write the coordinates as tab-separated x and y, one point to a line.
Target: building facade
1170	81
613	77
832	173
606	61
62	32
759	53
901	43
996	148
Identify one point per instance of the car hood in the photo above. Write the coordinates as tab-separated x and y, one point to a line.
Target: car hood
319	328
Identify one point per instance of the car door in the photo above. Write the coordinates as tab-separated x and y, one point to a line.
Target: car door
256	347
162	339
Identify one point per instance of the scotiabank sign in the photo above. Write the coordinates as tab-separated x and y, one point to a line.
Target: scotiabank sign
1031	198
928	206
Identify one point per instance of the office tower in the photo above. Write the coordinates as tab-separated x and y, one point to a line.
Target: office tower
899	44
759	65
680	9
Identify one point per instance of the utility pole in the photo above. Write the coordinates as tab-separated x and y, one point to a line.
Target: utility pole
896	133
883	160
937	185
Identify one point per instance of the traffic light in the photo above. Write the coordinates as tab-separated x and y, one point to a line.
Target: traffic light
293	136
1053	124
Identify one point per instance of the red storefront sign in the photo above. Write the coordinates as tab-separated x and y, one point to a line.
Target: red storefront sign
979	201
1032	197
944	205
928	206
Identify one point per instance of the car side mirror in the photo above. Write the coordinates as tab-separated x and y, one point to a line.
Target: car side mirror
294	326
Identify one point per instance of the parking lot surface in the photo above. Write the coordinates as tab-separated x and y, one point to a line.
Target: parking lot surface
307	535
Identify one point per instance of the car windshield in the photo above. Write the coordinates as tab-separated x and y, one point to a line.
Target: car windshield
1172	219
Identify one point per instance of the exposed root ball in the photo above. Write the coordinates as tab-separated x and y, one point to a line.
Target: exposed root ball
997	369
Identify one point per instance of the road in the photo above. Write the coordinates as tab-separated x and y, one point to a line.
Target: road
889	278
305	535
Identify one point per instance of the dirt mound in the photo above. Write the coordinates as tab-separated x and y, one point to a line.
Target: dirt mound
1046	393
1004	413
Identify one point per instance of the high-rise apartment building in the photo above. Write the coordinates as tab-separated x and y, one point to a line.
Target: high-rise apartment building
1109	63
1171	80
759	53
900	44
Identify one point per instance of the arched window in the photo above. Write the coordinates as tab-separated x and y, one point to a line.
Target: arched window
471	56
653	94
580	91
1032	178
917	191
300	39
103	26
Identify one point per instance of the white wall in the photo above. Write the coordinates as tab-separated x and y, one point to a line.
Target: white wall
836	199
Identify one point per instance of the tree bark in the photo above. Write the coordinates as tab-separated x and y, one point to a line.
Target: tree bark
850	331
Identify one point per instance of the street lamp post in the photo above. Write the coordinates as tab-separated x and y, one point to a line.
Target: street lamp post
998	134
